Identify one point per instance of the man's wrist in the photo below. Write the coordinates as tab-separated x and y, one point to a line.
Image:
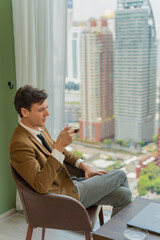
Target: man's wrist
83	166
58	147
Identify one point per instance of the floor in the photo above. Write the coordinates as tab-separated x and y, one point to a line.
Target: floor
15	228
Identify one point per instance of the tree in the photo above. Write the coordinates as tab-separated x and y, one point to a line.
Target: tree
142	143
156	185
155	138
120	142
152	171
149	179
143	185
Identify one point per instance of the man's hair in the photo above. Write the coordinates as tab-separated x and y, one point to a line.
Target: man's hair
28	95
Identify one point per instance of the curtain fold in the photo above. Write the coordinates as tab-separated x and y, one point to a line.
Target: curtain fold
40	52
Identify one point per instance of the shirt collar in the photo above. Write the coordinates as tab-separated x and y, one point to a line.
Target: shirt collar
32	131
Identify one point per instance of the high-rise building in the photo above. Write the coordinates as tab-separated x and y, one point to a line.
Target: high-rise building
73	54
69	14
110	17
134	71
96	69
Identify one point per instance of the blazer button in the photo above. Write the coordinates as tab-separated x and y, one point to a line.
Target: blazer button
74	191
66	176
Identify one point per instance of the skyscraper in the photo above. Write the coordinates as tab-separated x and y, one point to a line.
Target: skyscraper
96	69
134	71
69	14
73	56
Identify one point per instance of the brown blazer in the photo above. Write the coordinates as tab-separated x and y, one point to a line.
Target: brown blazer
37	167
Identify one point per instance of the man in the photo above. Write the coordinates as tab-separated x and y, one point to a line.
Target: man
40	160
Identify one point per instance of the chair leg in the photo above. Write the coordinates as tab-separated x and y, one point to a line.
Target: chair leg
29	232
87	236
101	218
43	233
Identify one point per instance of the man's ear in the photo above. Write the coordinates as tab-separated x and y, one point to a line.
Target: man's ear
24	112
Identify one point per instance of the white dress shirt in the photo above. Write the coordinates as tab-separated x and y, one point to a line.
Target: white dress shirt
55	153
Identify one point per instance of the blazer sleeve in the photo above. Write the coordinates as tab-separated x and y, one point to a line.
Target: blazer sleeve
24	160
70	157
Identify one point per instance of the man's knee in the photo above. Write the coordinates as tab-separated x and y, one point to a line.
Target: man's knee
120	174
125	195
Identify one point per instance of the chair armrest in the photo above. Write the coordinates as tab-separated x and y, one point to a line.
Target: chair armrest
74	171
55	211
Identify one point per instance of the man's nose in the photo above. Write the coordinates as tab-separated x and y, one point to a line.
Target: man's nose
46	113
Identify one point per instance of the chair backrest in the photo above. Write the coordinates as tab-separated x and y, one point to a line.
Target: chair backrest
23	189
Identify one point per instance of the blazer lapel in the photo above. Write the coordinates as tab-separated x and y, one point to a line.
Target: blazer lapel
34	140
48	140
40	145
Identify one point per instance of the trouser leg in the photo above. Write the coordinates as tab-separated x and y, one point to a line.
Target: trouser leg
105	190
118	199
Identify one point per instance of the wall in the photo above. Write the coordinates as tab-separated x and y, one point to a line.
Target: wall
8	116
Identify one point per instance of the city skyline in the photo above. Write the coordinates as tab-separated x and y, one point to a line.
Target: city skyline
138	53
81	13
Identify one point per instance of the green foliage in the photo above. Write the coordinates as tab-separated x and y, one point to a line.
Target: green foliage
109	158
120	142
152	171
143	185
155	138
124	144
117	165
142	143
149	179
156	185
108	141
77	153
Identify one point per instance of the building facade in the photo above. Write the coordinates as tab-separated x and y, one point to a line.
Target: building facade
96	69
73	54
69	14
134	71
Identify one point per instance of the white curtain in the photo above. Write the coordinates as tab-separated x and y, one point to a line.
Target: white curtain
40	52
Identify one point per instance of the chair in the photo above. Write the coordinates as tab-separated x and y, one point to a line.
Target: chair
55	210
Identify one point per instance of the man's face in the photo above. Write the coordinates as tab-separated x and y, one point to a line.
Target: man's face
37	115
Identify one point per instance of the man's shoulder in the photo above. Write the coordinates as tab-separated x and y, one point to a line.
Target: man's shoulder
20	134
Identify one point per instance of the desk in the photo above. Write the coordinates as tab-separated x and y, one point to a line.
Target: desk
115	227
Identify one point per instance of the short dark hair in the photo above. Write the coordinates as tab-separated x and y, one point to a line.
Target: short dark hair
28	95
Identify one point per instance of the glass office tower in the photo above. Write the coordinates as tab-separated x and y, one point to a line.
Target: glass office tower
134	71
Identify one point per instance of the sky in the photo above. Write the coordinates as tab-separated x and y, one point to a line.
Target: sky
84	9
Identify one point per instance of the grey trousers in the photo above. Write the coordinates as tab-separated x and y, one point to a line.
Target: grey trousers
107	189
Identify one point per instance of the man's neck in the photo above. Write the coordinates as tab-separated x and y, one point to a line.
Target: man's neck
26	123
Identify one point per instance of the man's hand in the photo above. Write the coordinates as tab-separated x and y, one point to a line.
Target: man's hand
64	139
90	172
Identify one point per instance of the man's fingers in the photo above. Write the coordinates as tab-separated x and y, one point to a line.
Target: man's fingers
66	129
103	171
